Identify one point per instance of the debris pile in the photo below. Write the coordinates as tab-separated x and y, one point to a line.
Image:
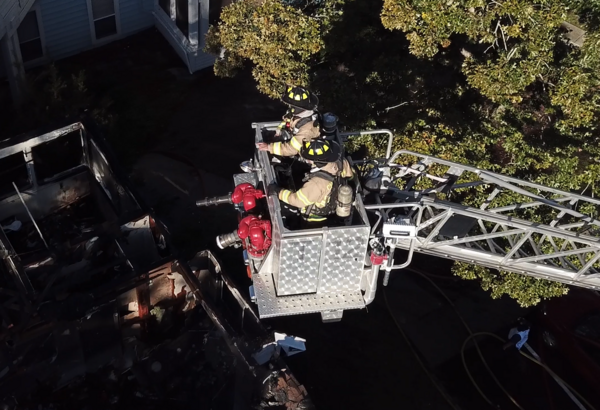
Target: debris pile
284	392
96	312
191	369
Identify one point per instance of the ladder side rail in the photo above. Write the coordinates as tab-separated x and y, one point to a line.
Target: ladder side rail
527	266
387	132
528	263
554	203
491	261
525	205
501	219
504	178
551	203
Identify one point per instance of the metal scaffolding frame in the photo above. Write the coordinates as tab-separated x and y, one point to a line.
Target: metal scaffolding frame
510	225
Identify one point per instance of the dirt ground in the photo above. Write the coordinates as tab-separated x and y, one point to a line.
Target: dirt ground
182	137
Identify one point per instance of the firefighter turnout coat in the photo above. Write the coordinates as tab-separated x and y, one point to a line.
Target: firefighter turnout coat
315	193
307	131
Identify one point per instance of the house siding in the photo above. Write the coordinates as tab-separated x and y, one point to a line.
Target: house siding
66	27
136	15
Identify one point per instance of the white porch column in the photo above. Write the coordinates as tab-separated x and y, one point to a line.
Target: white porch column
203	28
193	22
13	63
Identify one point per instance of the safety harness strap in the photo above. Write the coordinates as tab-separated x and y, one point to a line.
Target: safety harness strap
313	118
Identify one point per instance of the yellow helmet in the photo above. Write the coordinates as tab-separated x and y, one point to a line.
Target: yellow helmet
300	97
321	150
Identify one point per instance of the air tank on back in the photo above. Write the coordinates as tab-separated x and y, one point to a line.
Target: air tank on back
330	126
344	201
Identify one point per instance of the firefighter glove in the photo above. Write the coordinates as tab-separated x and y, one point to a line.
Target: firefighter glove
273	189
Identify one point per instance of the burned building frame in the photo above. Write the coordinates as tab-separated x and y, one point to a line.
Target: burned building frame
85	264
75	242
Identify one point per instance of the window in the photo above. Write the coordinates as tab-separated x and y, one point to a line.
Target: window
30	39
104	18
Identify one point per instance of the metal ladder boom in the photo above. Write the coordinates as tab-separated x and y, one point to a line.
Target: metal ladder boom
509	224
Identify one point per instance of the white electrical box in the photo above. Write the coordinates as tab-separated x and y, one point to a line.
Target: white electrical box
400	228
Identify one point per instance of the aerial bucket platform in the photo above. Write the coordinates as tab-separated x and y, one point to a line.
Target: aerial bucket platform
308	270
404	203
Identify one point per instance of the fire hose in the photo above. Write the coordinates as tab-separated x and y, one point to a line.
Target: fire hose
472	335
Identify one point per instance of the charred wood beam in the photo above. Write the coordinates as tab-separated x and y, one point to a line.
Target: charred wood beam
142	293
130	281
29	140
13	265
234	343
37	256
247	314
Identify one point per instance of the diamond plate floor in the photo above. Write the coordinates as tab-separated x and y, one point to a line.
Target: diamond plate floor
272	306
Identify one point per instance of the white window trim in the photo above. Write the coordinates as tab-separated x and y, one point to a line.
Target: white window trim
115	36
44	57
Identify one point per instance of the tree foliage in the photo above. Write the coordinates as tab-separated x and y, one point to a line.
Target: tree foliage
526	290
540	92
493	84
279	39
509	46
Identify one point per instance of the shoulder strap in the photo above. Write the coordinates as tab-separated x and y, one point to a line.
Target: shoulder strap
322	174
330	177
302	122
313	118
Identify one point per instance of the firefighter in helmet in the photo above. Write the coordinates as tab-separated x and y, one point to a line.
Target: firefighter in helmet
301	121
317	197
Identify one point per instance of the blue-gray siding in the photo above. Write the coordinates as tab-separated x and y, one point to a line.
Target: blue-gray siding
66	24
136	15
66	27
